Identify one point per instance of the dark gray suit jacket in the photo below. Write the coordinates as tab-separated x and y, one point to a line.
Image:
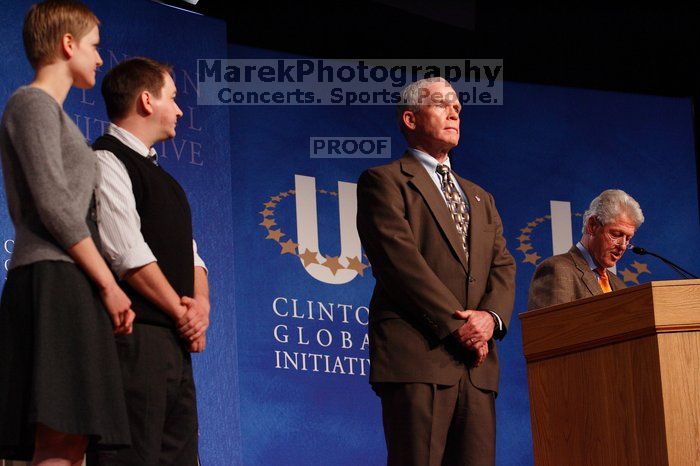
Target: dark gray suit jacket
423	276
564	278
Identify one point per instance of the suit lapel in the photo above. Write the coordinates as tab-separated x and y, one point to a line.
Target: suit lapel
420	179
587	275
613	279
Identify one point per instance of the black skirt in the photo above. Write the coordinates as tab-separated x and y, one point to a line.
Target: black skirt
58	361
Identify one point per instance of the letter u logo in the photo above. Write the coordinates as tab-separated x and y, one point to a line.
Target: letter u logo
329	269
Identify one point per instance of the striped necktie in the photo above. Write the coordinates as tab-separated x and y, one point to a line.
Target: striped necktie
458	208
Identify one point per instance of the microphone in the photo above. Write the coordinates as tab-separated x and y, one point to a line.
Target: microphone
681	271
638	250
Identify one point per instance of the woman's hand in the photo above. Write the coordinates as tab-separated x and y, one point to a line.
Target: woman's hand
118	307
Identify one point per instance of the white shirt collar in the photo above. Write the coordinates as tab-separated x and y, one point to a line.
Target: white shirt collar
131	141
428	161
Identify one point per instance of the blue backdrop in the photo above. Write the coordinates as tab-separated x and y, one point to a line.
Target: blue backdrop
198	158
544	143
287	346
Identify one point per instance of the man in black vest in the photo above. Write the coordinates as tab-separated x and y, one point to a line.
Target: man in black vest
146	230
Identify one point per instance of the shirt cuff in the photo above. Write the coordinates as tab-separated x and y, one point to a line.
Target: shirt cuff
198	262
136	257
500	330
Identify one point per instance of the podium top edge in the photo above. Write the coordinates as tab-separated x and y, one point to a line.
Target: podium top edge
611	295
689	281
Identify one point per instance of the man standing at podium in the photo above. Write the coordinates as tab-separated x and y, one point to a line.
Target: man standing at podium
444	291
608	227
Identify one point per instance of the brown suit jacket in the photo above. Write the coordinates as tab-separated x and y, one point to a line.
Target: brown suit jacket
422	275
564	278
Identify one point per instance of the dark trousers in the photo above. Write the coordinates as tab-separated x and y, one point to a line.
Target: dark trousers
160	398
434	425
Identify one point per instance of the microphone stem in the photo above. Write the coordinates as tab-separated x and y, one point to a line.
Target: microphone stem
684	273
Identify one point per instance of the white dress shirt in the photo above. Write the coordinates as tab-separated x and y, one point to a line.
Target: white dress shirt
119	221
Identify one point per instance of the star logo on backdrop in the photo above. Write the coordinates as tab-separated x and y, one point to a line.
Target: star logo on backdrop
530	256
308	257
289	246
357	265
631	277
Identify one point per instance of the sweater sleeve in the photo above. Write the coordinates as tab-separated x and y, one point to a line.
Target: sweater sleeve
33	126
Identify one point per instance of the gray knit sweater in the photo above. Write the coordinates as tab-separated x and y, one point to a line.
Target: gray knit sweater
50	176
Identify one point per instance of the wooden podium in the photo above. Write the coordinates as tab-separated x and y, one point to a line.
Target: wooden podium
615	379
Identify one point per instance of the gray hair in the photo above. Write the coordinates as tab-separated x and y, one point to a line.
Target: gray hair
411	98
610	205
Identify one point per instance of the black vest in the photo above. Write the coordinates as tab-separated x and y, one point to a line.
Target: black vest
166	225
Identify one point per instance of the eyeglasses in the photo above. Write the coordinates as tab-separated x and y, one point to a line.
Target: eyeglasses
621	240
617	238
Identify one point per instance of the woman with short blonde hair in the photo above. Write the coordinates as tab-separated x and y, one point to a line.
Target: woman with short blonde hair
60	381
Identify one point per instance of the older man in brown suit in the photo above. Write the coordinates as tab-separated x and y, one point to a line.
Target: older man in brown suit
444	291
608	227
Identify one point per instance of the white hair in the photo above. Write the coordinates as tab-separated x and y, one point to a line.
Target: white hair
610	205
411	97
